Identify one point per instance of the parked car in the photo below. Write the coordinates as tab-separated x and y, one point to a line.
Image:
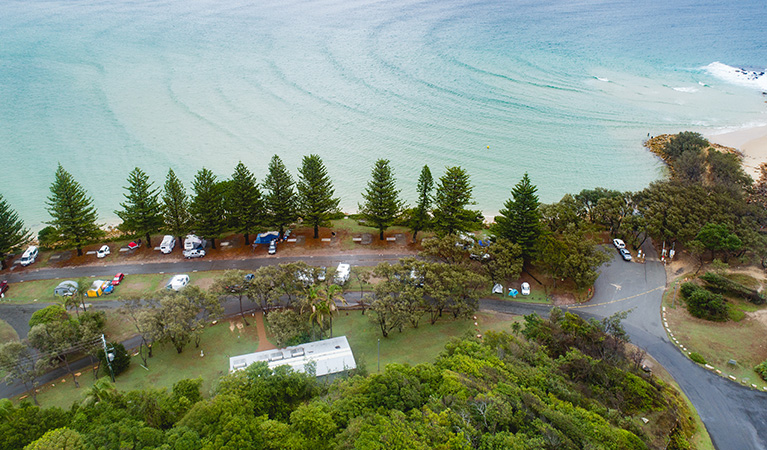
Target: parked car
525	288
133	245
342	273
625	254
194	253
272	247
3	287
118	278
66	288
178	282
619	244
29	256
322	273
103	252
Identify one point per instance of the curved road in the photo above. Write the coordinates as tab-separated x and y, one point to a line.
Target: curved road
735	416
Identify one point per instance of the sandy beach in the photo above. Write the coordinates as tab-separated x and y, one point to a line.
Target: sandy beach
751	141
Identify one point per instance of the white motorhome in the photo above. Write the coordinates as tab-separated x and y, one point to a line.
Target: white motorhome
191	242
29	256
342	273
167	244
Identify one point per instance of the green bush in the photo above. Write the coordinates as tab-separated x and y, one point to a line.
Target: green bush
704	304
721	284
698	358
121	360
761	369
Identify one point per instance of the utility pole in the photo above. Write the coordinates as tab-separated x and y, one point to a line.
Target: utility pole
109	356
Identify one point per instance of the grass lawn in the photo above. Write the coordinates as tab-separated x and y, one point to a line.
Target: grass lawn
7	333
719	342
133	285
536	296
412	346
166	367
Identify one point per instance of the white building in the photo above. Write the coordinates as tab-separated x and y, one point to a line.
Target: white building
330	356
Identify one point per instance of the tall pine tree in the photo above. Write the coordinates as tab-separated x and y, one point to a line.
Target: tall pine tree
520	221
207	208
175	206
420	219
315	193
280	197
13	234
452	197
141	213
245	207
72	212
382	204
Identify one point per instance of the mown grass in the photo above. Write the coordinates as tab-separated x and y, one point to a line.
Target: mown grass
166	367
138	285
7	333
413	345
720	342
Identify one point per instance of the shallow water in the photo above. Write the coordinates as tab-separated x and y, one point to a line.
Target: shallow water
566	91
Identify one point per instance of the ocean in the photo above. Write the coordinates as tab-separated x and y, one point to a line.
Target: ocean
564	90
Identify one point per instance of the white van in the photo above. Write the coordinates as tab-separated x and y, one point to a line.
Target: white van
167	244
29	256
342	273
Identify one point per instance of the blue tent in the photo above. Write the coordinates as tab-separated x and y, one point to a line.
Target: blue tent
265	238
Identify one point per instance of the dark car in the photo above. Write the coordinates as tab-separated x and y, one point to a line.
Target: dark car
625	254
3	287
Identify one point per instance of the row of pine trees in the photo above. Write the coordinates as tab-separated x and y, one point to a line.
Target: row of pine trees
242	204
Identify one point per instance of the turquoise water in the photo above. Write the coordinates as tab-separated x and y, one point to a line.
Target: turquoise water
564	90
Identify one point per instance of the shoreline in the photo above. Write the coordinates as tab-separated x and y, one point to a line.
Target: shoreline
751	142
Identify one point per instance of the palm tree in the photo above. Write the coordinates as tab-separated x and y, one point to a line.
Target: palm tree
103	389
322	302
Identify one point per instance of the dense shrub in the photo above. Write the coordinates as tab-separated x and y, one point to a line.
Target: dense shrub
721	284
121	360
698	358
704	304
761	369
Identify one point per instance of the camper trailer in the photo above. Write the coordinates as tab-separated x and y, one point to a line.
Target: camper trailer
192	242
29	256
167	244
342	273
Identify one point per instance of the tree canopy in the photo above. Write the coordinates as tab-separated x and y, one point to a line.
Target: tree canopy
280	197
175	205
244	205
382	204
207	206
520	221
453	195
13	233
72	212
315	193
141	212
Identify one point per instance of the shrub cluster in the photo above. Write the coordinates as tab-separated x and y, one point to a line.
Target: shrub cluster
698	358
705	304
721	284
761	369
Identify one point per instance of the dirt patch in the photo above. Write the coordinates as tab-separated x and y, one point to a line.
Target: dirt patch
759	316
205	283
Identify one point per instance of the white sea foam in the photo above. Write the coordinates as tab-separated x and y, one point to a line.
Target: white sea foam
688	89
702	83
742	77
726	130
602	79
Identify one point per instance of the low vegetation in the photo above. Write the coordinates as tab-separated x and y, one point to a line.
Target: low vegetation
569	386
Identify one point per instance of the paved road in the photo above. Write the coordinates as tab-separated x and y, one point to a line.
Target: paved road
183	265
734	415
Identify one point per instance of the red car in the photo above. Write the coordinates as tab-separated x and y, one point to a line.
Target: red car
3	287
133	245
117	279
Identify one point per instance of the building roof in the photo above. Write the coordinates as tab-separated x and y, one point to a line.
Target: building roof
330	356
